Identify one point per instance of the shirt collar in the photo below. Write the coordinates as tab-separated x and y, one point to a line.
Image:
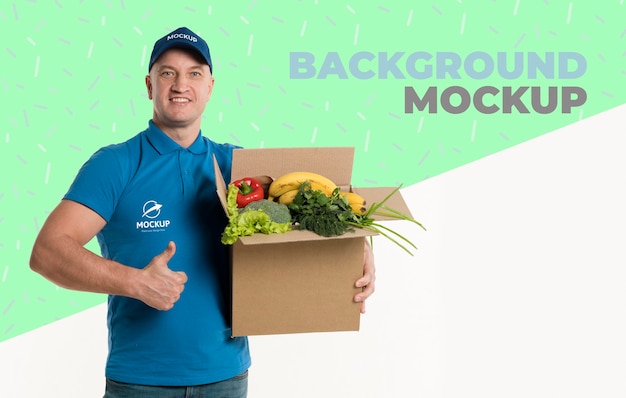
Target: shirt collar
163	144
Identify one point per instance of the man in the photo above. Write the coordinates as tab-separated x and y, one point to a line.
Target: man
151	203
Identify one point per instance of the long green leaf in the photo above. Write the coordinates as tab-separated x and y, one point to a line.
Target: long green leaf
379	229
395	233
395	241
398	215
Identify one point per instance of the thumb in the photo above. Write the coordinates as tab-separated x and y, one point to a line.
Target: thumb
167	254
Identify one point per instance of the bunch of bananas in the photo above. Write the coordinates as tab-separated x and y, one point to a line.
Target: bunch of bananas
284	189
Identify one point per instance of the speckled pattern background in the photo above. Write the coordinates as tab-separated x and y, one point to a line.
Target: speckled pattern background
72	80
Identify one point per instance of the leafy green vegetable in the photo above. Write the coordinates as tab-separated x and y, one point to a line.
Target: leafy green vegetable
332	216
248	222
327	216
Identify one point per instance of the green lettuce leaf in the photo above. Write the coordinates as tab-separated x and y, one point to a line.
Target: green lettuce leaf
248	222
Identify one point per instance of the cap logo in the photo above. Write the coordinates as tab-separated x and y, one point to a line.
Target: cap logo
185	36
180	38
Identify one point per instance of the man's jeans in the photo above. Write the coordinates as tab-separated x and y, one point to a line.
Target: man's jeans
236	387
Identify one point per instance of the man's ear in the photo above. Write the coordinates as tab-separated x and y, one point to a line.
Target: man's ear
149	86
211	85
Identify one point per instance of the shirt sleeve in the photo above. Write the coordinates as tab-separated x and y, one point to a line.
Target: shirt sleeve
100	181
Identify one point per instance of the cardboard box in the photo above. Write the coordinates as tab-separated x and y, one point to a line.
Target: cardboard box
298	281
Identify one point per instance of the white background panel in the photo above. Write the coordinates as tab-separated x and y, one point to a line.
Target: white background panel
517	290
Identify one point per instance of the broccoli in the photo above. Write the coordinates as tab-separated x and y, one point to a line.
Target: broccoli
278	212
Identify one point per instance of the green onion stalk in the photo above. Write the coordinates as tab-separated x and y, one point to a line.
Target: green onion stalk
366	221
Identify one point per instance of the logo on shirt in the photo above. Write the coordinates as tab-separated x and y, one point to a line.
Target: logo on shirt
150	212
151	209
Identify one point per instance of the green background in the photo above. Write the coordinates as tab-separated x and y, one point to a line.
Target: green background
72	80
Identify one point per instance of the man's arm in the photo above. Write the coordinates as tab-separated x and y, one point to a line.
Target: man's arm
369	276
60	256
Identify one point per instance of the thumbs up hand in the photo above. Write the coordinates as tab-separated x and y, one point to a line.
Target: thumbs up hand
161	286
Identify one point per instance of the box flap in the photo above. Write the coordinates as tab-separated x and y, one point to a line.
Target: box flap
300	236
220	185
334	163
378	194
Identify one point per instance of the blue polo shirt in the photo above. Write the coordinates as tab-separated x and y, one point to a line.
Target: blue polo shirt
151	191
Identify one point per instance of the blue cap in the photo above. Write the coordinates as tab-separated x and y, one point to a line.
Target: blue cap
181	38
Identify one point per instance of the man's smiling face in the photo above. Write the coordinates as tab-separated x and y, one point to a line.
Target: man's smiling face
179	85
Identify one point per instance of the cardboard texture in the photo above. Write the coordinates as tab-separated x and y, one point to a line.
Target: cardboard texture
298	287
298	282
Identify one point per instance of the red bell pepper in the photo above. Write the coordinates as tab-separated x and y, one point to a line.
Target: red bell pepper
250	190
